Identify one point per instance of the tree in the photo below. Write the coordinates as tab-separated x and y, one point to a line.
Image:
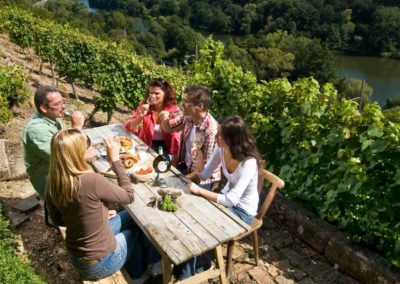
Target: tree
249	14
221	22
272	63
181	37
168	8
353	88
202	15
384	35
239	56
311	58
116	20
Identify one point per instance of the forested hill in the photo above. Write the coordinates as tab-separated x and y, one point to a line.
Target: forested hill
367	26
274	39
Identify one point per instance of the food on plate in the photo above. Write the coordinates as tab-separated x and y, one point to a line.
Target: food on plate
129	160
168	204
144	171
124	142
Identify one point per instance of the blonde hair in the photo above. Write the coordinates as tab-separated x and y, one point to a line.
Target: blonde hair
66	164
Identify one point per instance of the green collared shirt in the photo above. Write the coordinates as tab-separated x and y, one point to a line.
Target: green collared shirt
36	140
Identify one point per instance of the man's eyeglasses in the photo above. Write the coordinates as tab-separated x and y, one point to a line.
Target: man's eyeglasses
57	105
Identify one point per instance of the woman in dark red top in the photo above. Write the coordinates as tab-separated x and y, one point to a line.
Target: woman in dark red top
145	120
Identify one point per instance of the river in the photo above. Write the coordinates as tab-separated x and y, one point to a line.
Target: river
382	74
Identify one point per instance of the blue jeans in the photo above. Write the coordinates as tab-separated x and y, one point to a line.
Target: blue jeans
129	251
248	219
202	262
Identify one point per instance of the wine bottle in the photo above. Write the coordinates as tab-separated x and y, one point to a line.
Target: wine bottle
160	163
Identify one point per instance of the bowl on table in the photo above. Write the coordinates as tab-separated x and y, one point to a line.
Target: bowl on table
143	172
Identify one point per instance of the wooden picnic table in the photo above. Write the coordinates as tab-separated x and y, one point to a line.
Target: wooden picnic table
196	227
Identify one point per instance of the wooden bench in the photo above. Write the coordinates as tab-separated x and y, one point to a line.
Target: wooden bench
119	277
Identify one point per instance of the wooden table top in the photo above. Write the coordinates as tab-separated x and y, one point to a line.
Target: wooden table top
197	226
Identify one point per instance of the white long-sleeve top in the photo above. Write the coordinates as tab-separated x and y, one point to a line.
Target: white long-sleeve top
241	189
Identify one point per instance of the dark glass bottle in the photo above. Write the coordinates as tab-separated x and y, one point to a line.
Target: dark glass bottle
161	164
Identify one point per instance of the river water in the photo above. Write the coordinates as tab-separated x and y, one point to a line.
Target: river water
382	74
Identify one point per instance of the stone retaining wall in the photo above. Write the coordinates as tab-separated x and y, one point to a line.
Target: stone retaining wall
362	264
11	167
5	173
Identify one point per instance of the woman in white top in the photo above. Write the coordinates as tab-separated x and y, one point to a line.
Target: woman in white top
240	160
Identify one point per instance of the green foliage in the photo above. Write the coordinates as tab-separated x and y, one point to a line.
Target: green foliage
272	63
12	90
393	102
13	269
310	57
338	162
392	114
232	87
384	36
351	88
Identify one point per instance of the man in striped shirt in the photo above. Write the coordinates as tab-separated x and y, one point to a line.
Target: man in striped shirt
198	129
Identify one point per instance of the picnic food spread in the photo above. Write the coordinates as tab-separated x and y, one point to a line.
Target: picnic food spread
124	142
129	160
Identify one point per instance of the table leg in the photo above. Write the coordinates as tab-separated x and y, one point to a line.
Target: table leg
220	263
166	268
229	253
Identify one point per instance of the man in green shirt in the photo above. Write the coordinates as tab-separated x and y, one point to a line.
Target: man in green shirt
41	127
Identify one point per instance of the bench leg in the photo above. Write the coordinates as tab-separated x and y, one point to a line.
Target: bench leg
220	263
166	268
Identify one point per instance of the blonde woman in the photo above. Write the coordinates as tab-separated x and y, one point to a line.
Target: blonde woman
99	241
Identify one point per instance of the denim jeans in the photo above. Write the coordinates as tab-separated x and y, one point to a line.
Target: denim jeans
202	262
129	251
248	219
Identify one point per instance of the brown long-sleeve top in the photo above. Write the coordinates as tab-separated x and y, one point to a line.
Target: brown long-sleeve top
88	234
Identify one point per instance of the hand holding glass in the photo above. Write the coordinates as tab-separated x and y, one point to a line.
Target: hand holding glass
144	109
164	115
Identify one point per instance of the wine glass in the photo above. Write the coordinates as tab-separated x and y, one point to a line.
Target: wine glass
150	99
196	143
69	110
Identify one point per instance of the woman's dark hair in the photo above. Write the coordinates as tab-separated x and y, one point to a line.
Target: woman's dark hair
170	94
239	139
